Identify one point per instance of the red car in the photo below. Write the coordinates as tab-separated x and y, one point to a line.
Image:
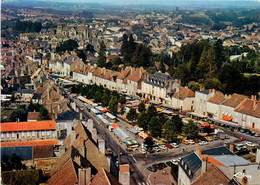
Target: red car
169	146
196	140
241	139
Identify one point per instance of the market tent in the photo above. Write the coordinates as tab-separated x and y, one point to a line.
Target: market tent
105	110
143	135
114	126
134	131
105	121
122	134
111	116
131	142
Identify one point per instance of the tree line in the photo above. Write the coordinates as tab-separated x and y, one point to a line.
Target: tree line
28	26
160	126
22	111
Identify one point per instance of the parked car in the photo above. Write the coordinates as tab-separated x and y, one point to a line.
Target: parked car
175	162
151	168
142	151
242	130
196	140
175	145
257	134
250	144
156	149
160	166
203	143
191	142
169	146
162	147
186	142
208	138
240	146
241	139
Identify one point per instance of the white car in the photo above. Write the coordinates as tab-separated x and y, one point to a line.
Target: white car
163	147
191	142
250	144
142	151
203	143
175	162
156	149
175	145
240	146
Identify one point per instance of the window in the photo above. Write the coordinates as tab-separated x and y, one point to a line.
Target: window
33	133
7	135
48	132
22	133
189	172
43	133
28	133
13	134
2	135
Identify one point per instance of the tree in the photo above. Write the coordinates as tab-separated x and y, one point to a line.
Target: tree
113	104
105	100
149	142
102	54
98	96
155	127
143	120
194	86
14	163
169	130
18	115
190	130
68	45
131	115
152	111
141	107
44	114
82	54
122	100
219	53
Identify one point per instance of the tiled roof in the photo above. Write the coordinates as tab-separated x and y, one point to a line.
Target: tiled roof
43	151
249	107
137	75
28	126
218	98
211	160
33	115
234	100
213	176
104	178
184	93
67	175
30	143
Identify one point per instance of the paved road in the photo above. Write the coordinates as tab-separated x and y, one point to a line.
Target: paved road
125	158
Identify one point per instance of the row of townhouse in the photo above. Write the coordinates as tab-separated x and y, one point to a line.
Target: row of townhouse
237	108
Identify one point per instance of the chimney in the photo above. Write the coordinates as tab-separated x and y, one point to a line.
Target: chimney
257	155
48	93
84	176
77	160
231	148
94	134
204	165
124	174
90	125
254	104
58	106
72	137
198	151
80	115
82	148
252	97
101	146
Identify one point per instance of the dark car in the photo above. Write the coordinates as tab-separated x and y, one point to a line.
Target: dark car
243	130
151	168
169	163
196	140
160	166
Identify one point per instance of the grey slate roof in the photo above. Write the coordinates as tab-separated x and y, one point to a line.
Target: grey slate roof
158	79
25	91
222	150
70	59
193	163
68	115
24	152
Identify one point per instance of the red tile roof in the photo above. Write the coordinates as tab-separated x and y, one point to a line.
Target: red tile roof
104	178
30	143
33	115
249	107
218	98
234	100
184	93
211	160
27	126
